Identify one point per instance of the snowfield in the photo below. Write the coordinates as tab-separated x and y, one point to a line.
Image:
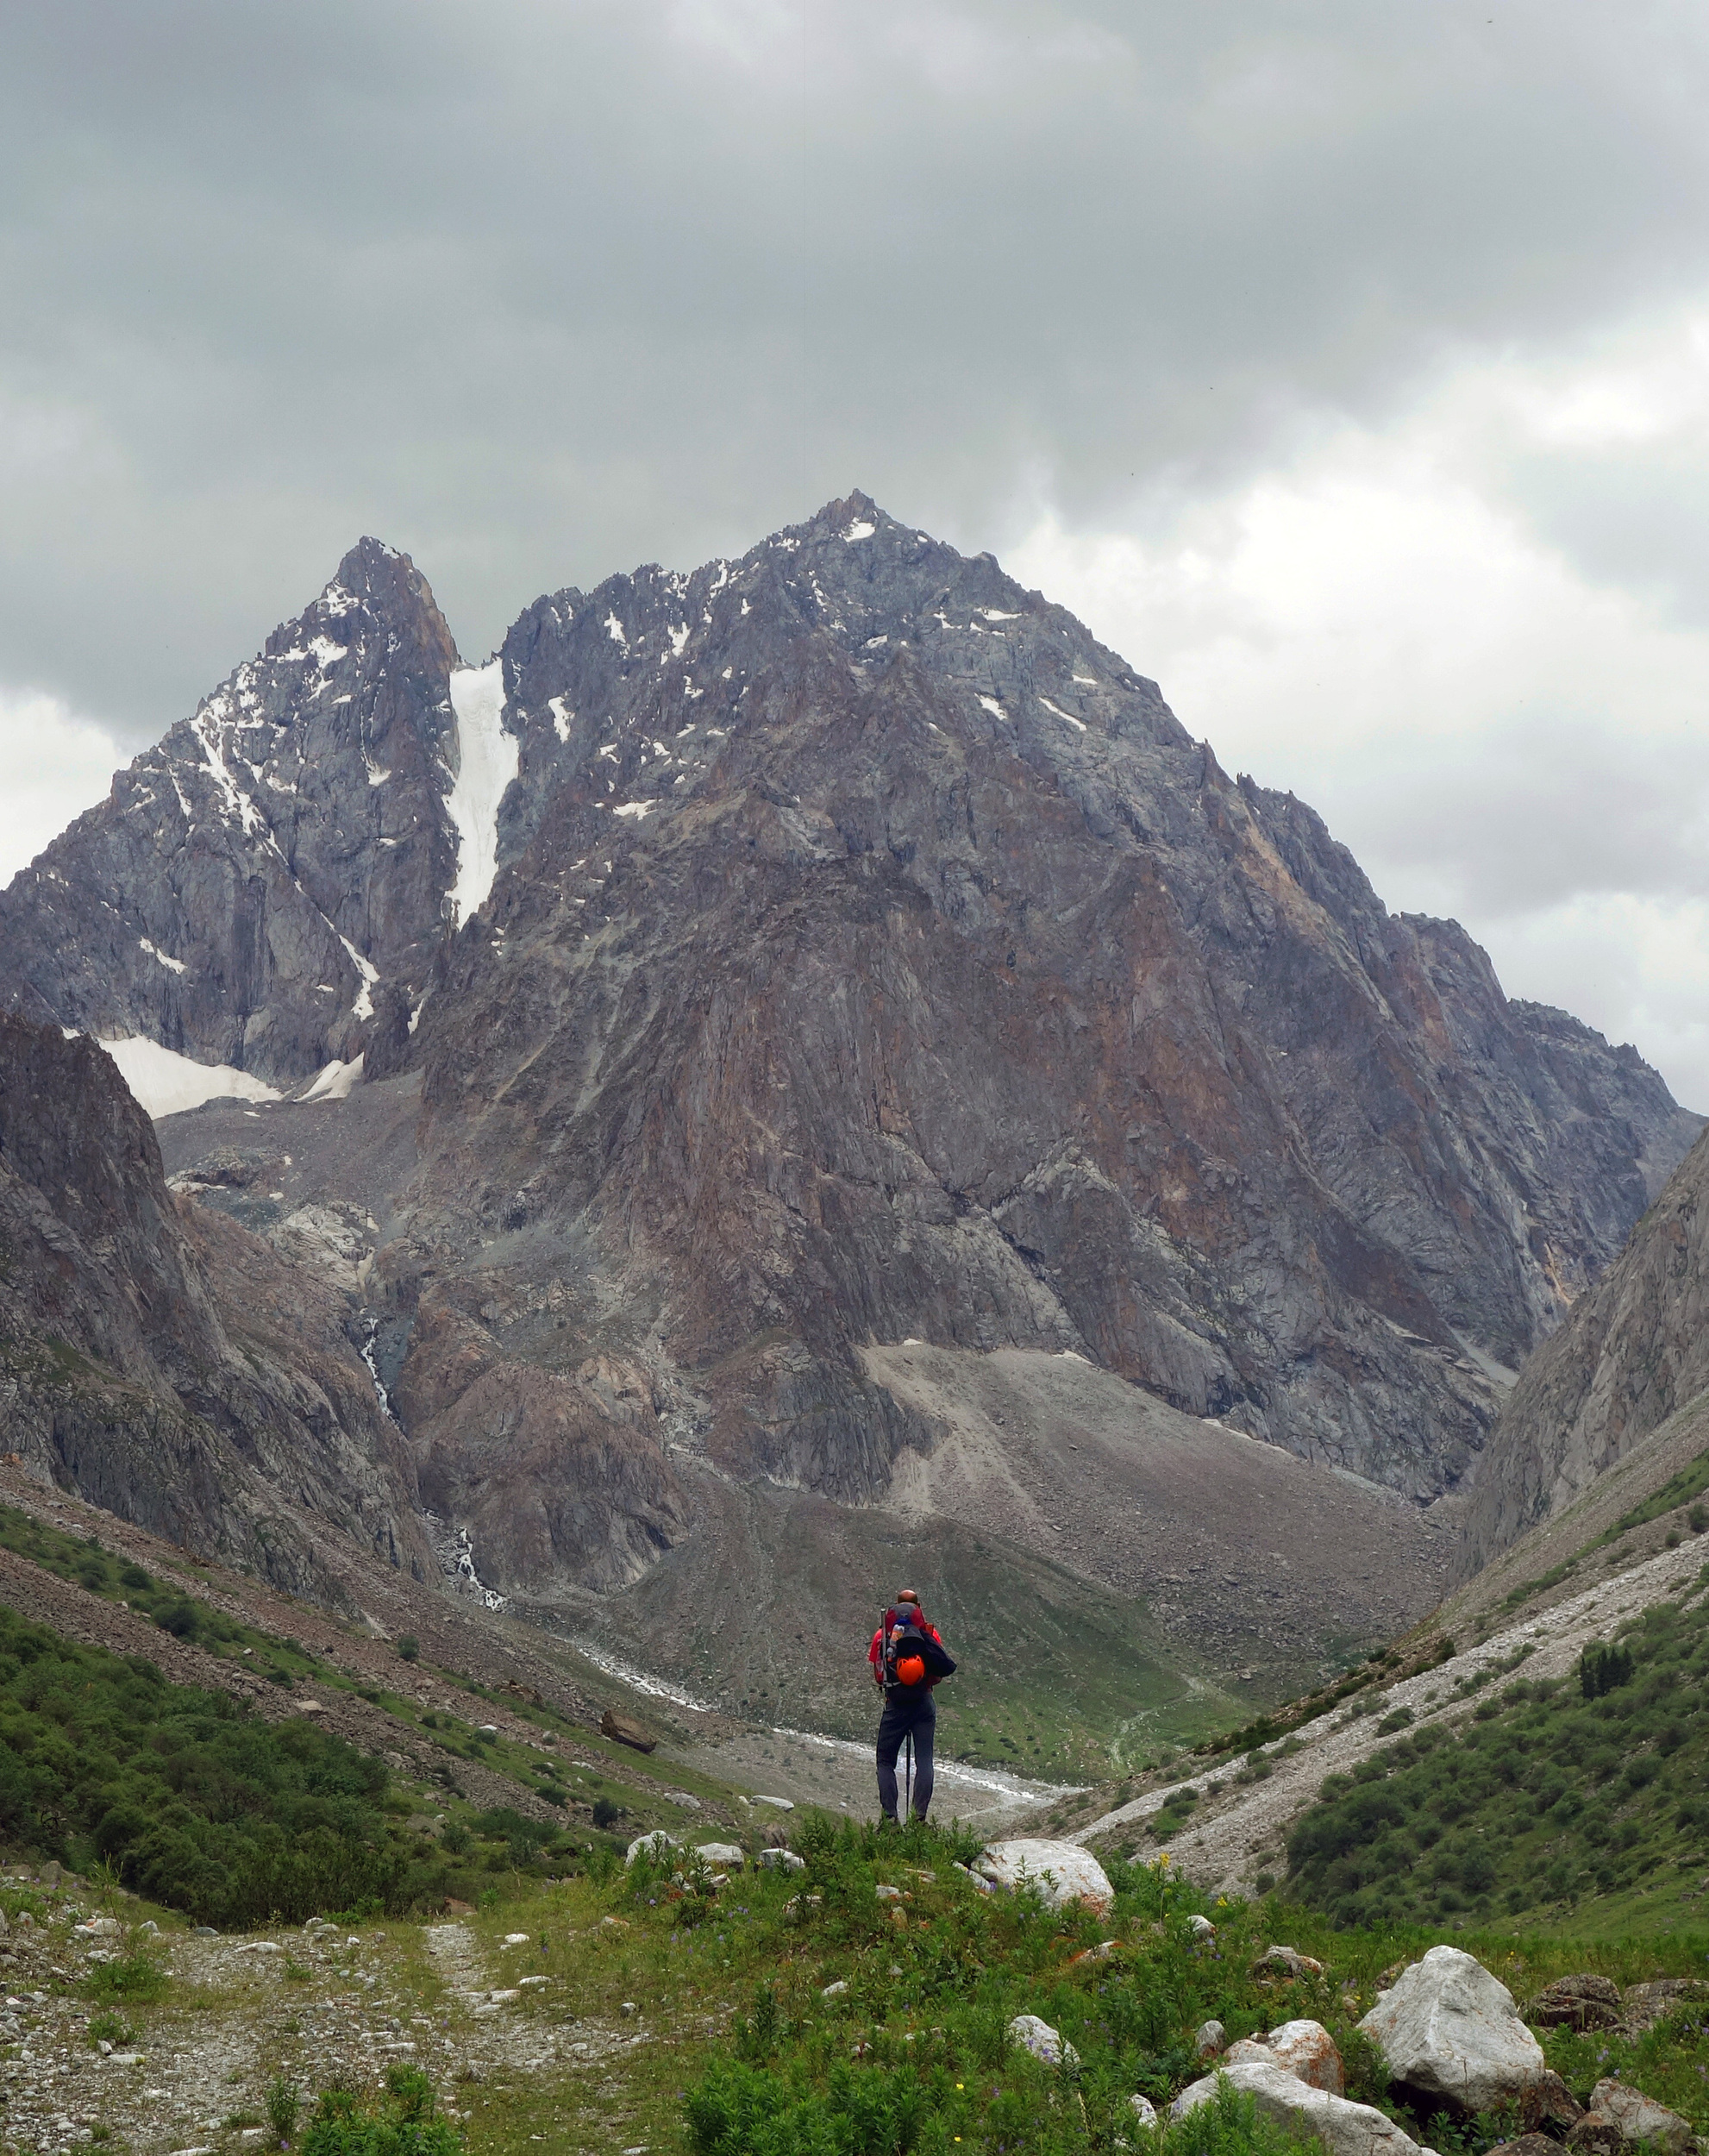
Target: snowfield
163	1082
487	760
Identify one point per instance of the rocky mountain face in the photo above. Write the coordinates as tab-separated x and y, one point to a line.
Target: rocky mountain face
872	958
1635	1350
883	960
162	1362
248	880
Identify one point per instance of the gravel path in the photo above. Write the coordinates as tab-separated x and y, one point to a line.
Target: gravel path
1241	1831
315	2006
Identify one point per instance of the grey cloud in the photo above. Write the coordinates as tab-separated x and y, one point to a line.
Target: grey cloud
536	292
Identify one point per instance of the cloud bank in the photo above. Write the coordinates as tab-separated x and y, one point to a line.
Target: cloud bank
1344	367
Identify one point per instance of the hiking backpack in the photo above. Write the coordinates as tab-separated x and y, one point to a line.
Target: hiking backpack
908	1656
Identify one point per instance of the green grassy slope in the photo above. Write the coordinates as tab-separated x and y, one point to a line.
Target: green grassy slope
770	1617
1552	1808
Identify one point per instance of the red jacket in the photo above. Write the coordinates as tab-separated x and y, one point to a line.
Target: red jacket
875	1653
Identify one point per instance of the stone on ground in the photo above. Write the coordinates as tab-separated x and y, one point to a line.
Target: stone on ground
1636	2117
653	1845
1043	2042
1450	2031
1580	2003
624	1729
725	1855
1144	2110
1061	1870
1306	2048
1209	2038
1286	1961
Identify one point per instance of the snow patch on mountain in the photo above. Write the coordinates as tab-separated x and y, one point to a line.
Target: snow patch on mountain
163	1082
487	760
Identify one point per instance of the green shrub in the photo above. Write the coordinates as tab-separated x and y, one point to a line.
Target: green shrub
133	1977
404	2122
408	1646
284	2106
191	1799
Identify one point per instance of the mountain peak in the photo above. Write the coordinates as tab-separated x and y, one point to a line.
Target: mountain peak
376	574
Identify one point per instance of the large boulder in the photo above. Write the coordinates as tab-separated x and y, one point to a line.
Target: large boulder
624	1729
1346	2129
1637	2117
1645	2005
1451	2033
1061	1870
1580	2003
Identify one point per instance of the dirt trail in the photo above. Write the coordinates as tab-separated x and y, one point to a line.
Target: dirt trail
1241	1831
314	2006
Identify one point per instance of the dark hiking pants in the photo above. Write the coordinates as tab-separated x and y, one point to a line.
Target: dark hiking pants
906	1714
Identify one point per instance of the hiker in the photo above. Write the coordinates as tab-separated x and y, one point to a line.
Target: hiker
908	1658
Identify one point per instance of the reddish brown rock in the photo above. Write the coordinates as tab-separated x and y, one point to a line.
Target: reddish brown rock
624	1729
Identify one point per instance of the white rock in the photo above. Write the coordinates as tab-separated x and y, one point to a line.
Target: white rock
1201	1927
1307	2049
888	1893
781	1860
777	1803
721	1853
1043	2042
1144	2110
1450	2029
835	1990
1209	2038
1346	2129
655	1845
516	1939
1061	1870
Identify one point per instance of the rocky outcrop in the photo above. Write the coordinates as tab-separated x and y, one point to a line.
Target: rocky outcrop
872	958
882	959
1580	2003
1635	1348
248	882
163	1362
1635	2119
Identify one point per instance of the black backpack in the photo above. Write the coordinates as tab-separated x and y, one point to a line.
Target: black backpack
898	1642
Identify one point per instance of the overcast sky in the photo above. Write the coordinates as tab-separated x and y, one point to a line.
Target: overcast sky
1346	366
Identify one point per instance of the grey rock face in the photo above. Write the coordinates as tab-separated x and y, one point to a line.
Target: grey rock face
247	881
872	955
882	959
1345	2128
207	1414
1635	1348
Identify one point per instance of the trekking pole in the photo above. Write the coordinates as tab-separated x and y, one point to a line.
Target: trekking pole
908	1807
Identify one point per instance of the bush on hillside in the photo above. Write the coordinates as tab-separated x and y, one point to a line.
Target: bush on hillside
194	1800
1554	1794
